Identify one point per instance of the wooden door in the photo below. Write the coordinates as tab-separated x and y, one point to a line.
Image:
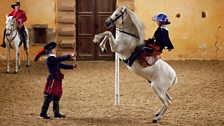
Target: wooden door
90	18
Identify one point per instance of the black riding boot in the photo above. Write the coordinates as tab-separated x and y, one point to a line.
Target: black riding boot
56	110
3	42
47	100
139	50
24	36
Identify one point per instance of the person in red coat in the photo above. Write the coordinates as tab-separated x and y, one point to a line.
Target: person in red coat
53	87
20	17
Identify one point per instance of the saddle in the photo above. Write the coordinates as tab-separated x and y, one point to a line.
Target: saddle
149	58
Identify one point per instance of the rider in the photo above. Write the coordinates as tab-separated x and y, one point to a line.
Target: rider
20	17
157	43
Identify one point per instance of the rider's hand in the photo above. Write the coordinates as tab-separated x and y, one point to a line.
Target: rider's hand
73	54
19	21
74	66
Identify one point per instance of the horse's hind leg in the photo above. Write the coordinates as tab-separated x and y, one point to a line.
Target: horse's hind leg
18	54
163	97
169	101
27	57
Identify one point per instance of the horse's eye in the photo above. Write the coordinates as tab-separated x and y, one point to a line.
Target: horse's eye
116	15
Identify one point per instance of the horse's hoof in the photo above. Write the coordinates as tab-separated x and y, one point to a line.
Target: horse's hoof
15	72
27	65
7	72
154	121
104	50
18	66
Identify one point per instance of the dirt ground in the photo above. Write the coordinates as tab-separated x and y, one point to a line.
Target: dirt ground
88	96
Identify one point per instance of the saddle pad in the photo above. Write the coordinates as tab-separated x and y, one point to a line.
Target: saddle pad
146	61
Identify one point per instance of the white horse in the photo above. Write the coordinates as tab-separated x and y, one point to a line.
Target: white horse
129	35
12	41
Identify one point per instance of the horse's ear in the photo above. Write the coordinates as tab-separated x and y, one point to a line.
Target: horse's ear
124	8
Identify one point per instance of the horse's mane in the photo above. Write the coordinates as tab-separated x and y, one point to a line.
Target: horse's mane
138	24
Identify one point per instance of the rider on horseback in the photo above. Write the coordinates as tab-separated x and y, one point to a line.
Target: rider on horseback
20	17
160	40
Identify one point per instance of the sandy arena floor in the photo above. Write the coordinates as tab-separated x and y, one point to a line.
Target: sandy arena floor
88	97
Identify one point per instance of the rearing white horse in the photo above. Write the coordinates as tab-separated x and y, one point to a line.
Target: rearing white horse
12	41
129	35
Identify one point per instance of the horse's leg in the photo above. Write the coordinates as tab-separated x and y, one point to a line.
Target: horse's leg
27	57
112	41
8	59
159	111
169	101
16	55
163	97
27	50
103	44
106	35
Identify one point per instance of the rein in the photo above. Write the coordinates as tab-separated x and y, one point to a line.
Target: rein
133	35
12	37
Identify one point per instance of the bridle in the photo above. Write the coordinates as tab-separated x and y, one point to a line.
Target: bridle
121	15
118	17
11	33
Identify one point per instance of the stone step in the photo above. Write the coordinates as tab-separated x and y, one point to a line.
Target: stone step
68	42
66	6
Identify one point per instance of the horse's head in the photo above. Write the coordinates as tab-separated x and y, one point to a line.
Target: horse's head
10	25
116	17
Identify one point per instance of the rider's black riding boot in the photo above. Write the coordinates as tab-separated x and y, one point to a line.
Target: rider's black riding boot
3	42
56	110
24	35
139	50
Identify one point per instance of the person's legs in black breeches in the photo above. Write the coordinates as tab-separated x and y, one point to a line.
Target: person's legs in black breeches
23	34
56	108
45	106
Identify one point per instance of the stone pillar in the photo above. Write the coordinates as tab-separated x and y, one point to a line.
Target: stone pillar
66	32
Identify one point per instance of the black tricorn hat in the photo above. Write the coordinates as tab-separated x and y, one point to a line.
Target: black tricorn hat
45	50
15	4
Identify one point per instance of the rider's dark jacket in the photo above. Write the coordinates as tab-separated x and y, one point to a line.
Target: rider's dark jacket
162	39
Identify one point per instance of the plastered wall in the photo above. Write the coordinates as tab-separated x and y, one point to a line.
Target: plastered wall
194	37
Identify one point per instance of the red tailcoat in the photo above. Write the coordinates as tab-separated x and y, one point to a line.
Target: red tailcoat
18	15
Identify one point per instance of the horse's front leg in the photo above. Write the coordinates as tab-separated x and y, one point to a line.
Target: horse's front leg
103	44
8	59
112	41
